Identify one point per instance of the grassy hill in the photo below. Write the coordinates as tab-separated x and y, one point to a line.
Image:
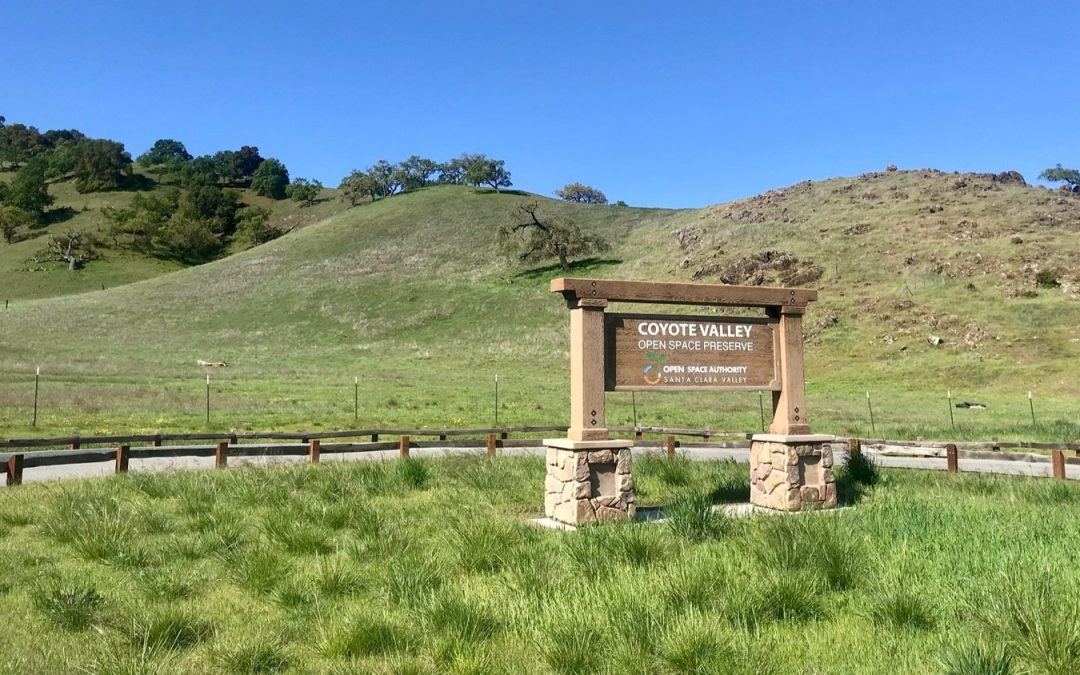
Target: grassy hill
72	211
412	296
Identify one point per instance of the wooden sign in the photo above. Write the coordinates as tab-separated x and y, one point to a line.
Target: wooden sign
664	351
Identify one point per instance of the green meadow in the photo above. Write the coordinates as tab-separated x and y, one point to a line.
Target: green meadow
412	296
430	565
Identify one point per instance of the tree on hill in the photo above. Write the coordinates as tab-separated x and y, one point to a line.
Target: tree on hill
29	191
482	170
414	172
452	172
1059	174
73	248
11	219
253	226
582	194
358	186
19	144
386	177
237	167
270	179
101	165
202	170
304	191
532	236
164	152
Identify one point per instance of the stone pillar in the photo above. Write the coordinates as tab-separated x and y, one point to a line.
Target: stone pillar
792	473
588	481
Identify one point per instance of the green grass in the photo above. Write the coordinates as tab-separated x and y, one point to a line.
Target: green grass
928	573
411	296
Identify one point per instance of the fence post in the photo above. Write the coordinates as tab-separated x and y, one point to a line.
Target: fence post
491	444
637	435
232	439
442	434
403	447
1058	459
670	446
505	434
951	463
854	446
157	440
375	437
75	442
221	457
706	437
996	447
15	469
123	453
313	451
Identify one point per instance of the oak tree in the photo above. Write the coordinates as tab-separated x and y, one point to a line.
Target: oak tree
533	236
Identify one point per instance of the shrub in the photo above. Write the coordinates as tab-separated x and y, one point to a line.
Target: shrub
413	473
367	635
692	517
976	660
902	609
170	628
70	606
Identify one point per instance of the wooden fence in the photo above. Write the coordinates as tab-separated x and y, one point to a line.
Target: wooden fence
121	449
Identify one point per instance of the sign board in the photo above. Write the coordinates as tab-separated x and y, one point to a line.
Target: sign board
662	351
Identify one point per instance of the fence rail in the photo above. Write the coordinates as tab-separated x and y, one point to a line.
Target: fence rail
76	442
311	445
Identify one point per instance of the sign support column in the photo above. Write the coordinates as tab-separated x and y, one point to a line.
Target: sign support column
789	408
587	421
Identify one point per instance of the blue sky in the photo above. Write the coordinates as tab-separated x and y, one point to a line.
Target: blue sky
658	104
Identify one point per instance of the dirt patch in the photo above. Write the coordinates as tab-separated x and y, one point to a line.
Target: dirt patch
765	267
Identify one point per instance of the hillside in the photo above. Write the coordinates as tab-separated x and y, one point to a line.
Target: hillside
20	278
411	295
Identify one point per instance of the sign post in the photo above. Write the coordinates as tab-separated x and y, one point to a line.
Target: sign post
790	468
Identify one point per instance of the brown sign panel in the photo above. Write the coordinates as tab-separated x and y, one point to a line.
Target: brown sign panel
663	351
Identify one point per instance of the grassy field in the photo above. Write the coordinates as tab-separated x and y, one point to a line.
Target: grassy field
430	566
412	296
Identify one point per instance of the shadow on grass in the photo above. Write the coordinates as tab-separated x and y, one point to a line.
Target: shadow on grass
857	475
578	266
481	190
54	216
138	182
731	492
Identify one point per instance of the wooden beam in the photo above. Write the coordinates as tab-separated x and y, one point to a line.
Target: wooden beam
789	408
123	454
15	469
680	293
1058	459
587	375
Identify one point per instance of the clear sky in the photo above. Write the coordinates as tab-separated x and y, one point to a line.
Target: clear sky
656	103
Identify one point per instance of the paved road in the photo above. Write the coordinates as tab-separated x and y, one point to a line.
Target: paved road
42	474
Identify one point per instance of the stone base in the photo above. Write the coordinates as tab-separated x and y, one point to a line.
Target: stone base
589	484
792	473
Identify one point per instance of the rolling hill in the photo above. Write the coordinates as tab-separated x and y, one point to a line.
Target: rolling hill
412	296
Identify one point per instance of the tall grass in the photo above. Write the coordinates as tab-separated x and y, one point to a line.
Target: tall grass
430	580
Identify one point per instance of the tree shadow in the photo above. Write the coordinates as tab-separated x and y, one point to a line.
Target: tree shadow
493	191
731	491
577	266
54	216
137	182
